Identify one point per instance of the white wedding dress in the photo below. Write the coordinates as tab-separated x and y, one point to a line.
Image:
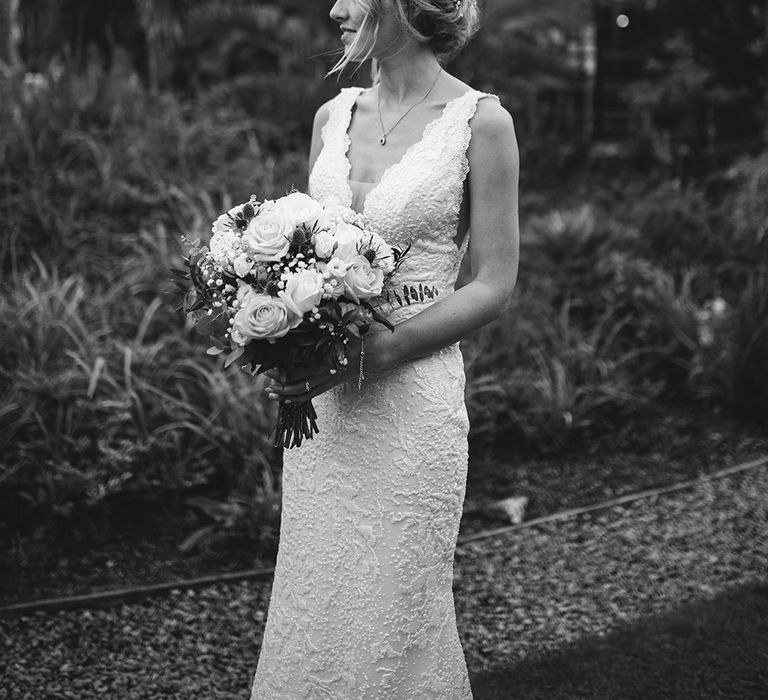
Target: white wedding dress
362	603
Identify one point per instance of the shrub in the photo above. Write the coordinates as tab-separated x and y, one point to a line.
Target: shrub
724	348
94	158
677	228
105	401
105	394
540	380
749	209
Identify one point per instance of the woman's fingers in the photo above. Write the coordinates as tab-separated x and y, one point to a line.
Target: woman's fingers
297	392
303	389
299	372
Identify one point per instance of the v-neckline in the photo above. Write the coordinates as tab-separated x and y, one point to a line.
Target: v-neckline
348	143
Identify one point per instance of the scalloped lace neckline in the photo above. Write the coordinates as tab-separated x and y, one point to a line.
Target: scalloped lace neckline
428	129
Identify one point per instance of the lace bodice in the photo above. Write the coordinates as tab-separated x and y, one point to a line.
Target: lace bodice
418	199
362	605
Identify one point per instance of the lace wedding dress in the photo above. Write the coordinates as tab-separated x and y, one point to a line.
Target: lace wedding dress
362	605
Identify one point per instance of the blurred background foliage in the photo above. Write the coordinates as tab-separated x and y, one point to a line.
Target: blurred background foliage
644	274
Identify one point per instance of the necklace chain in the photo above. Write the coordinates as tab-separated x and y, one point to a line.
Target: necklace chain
384	132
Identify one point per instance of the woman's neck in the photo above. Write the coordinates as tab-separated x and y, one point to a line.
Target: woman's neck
407	74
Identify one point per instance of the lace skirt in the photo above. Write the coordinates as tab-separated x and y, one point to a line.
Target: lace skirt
362	602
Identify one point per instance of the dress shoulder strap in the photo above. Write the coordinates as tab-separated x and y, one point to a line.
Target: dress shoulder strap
464	109
328	179
454	127
455	138
334	131
456	131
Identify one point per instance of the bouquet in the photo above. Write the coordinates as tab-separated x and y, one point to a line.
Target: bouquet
285	281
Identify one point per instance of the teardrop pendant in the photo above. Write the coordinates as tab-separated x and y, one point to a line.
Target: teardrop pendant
383	140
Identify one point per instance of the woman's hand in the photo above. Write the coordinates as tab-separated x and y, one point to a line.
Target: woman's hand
304	382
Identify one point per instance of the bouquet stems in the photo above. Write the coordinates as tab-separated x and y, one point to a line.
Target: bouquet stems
295	421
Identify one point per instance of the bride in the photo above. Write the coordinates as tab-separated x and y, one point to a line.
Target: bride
362	602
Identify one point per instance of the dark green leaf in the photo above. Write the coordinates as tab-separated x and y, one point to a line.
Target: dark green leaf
383	320
234	356
352	330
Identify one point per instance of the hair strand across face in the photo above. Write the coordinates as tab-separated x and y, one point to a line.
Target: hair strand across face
446	25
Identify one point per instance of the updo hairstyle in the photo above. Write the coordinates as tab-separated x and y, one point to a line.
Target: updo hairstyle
446	25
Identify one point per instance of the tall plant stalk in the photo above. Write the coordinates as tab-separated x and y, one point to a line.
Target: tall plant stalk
8	32
8	56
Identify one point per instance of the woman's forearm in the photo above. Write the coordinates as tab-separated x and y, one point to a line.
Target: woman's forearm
439	325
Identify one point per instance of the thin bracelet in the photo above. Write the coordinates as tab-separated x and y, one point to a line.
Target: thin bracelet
360	375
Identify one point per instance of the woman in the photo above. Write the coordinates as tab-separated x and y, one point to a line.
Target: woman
362	604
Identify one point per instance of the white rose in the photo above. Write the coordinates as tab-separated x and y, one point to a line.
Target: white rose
324	242
348	237
303	291
269	235
362	282
333	273
333	268
262	317
244	291
243	265
300	208
333	213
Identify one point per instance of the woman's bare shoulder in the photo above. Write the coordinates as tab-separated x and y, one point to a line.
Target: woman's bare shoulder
491	119
493	150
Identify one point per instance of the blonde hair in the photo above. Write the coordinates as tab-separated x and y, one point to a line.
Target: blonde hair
446	25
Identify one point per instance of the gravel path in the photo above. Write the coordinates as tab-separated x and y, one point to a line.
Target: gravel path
646	601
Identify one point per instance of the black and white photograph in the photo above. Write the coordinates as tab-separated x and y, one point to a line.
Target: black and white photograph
383	349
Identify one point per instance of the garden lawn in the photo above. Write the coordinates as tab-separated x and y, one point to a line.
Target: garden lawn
666	598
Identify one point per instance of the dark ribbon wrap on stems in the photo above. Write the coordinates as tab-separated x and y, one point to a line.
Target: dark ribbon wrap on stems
295	421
